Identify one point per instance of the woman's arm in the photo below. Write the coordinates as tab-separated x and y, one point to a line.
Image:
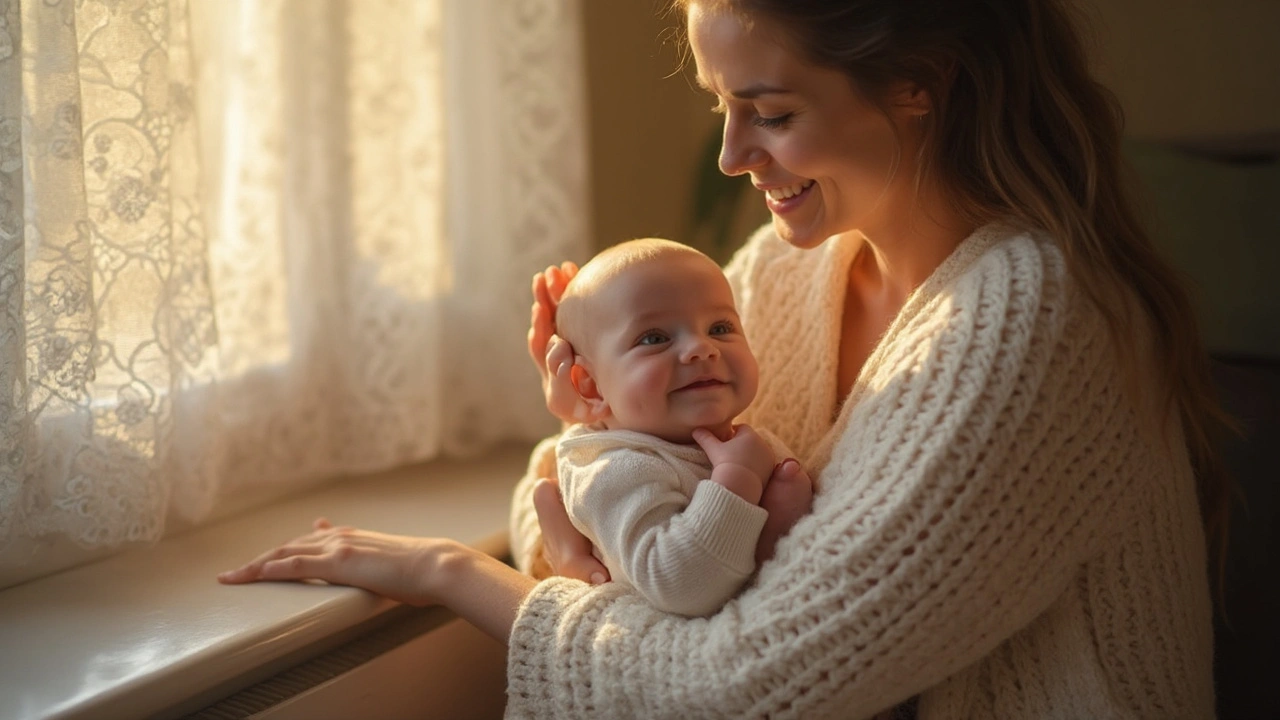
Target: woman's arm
482	590
416	571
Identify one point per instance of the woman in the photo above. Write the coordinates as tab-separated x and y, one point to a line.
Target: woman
968	339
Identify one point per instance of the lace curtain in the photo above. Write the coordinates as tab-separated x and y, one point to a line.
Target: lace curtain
250	244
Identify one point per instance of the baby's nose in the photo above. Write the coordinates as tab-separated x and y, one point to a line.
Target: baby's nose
699	348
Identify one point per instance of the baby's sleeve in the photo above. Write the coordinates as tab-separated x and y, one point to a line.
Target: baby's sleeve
684	555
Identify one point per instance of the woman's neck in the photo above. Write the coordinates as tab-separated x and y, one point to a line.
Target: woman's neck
896	259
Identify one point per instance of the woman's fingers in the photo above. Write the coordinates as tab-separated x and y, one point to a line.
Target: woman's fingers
541	331
295	567
312	544
542	320
559	279
787	497
555	283
559	354
541	292
550	284
547	287
551	354
562	398
252	570
552	517
567	550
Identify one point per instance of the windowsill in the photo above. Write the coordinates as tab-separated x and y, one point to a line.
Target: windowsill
150	631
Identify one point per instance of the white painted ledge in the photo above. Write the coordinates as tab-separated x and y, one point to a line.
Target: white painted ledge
149	632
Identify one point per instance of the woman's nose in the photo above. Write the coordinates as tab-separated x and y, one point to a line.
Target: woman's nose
739	154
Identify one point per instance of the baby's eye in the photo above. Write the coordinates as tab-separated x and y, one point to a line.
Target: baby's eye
724	327
652	338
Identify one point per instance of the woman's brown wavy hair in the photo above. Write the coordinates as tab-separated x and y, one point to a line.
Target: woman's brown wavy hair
1021	131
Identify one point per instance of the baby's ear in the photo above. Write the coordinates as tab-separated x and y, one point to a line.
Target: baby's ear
587	390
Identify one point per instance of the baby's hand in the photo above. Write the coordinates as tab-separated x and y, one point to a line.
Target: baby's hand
742	463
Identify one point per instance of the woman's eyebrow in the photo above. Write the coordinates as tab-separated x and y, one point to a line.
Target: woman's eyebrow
751	92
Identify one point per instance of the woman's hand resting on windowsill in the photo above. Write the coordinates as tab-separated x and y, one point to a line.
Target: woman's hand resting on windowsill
411	570
399	567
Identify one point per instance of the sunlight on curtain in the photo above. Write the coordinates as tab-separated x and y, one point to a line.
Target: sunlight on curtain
250	244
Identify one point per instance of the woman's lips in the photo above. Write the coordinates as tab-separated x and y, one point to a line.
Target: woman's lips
782	205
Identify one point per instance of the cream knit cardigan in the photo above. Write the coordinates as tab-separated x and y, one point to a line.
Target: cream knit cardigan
994	530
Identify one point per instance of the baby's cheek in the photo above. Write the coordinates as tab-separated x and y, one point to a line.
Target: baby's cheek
649	388
658	379
748	380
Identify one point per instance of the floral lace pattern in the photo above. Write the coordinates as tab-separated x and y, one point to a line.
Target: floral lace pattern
269	242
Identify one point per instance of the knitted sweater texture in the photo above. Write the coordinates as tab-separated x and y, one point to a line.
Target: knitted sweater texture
996	529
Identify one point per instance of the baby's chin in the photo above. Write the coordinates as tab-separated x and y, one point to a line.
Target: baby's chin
679	429
683	434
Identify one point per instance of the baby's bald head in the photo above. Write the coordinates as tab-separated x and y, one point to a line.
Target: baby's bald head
658	344
575	319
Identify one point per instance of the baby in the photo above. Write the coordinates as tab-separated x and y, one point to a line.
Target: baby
663	365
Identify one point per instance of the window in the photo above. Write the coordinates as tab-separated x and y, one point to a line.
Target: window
245	246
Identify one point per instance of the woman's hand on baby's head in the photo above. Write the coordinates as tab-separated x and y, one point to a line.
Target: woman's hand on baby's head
548	288
553	355
558	389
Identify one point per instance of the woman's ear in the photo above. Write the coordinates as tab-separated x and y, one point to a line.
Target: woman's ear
585	385
911	99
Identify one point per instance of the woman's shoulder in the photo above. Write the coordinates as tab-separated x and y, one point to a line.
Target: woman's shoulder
1009	285
1004	248
1016	263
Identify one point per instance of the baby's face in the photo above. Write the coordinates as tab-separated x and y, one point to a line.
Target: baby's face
669	354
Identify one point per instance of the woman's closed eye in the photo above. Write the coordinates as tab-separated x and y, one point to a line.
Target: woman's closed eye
775	122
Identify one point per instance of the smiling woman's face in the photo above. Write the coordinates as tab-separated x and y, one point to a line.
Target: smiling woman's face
823	155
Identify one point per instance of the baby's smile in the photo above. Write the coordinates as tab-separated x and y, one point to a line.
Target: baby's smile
703	384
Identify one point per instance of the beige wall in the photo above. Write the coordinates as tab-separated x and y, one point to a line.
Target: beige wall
1182	68
644	131
1190	69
